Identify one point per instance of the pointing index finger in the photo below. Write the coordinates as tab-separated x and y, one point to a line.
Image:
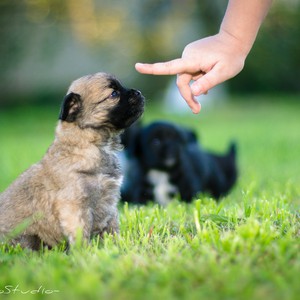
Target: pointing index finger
171	67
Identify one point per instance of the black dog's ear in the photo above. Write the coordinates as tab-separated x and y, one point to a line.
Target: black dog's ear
133	143
131	137
70	108
137	145
190	135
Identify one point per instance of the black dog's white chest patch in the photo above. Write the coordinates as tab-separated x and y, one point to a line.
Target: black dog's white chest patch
163	190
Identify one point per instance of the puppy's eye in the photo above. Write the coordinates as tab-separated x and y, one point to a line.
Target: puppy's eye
156	142
114	94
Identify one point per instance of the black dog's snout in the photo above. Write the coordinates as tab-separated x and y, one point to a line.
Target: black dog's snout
136	93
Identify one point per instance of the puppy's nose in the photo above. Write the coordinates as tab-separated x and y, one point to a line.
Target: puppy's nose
135	92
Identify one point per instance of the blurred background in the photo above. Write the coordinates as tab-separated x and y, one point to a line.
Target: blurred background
45	44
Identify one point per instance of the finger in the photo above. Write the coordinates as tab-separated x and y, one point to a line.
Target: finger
197	76
171	67
183	81
207	81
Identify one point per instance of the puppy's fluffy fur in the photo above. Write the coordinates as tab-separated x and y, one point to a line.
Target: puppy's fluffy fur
75	187
165	159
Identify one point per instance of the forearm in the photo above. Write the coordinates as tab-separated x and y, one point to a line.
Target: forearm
242	21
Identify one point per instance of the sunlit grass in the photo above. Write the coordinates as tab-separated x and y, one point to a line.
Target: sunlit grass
244	247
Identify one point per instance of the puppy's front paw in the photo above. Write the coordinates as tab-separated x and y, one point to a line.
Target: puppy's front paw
112	227
76	224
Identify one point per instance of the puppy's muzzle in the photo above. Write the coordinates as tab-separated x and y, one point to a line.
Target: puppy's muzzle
135	95
137	99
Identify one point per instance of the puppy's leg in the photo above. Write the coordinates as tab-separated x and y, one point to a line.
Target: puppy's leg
186	179
75	222
112	225
32	242
105	212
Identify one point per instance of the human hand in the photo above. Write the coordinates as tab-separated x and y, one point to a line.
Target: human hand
207	62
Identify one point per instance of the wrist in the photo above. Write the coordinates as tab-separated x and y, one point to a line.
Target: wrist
241	45
242	21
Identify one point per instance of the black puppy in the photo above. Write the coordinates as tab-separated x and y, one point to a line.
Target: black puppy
164	159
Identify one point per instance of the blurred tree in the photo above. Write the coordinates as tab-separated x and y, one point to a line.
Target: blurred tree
273	65
47	43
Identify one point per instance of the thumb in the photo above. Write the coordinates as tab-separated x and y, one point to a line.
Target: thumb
206	82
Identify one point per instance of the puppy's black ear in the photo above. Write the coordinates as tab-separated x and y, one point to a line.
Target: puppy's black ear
133	142
191	136
232	149
70	108
137	145
131	138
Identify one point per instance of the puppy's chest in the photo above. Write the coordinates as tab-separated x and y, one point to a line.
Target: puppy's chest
106	171
163	190
110	165
105	162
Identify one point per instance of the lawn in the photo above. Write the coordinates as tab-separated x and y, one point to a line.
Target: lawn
244	247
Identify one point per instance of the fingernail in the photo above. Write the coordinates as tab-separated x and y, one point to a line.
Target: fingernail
196	111
197	107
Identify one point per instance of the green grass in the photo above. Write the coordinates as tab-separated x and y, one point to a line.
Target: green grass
245	247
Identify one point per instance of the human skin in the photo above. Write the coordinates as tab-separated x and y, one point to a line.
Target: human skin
214	59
